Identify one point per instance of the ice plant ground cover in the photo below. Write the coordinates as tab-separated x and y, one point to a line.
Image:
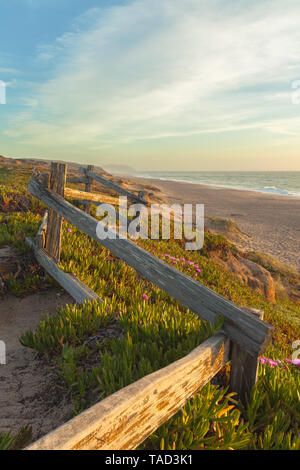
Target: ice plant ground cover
156	331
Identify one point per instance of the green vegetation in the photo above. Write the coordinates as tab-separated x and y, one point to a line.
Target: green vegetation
70	325
153	331
211	420
14	228
158	331
17	442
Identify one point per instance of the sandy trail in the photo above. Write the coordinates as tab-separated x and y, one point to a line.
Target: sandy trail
28	395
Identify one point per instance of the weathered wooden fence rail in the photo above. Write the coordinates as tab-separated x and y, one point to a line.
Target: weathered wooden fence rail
126	418
247	334
243	328
87	196
93	176
77	289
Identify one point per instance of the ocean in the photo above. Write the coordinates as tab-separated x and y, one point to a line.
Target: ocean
285	183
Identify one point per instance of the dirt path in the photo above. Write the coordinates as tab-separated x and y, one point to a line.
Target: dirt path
28	395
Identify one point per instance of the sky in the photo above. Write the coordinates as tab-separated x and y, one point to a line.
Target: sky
166	85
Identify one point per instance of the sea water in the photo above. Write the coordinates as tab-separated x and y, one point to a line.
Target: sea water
286	183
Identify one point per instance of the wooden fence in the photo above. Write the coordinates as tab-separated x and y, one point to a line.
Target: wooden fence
126	418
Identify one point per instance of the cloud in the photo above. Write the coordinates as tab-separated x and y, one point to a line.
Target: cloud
8	70
138	71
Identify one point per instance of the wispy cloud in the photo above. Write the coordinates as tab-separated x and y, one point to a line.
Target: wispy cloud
152	70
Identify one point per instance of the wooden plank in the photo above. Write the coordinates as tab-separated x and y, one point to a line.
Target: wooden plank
88	189
242	327
113	186
254	311
41	235
82	180
243	368
96	197
125	419
99	199
54	229
79	291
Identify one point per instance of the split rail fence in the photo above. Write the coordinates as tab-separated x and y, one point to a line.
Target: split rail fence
126	418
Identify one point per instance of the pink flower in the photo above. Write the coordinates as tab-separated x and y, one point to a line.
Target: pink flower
263	360
295	362
272	363
69	230
196	275
145	297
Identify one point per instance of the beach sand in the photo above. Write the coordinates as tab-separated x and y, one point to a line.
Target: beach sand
272	222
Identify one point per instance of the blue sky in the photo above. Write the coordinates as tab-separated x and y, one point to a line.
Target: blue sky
155	84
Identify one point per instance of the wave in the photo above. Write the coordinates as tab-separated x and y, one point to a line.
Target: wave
238	186
275	190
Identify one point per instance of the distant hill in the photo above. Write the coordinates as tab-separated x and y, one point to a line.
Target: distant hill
35	162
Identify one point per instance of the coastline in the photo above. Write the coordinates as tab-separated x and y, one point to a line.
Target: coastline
267	190
271	221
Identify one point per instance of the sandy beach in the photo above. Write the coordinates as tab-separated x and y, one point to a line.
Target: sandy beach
272	222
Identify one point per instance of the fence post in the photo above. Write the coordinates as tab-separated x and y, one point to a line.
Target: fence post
54	227
88	189
244	367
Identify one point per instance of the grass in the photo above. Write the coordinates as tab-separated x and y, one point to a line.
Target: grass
70	325
156	331
14	228
16	442
212	421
